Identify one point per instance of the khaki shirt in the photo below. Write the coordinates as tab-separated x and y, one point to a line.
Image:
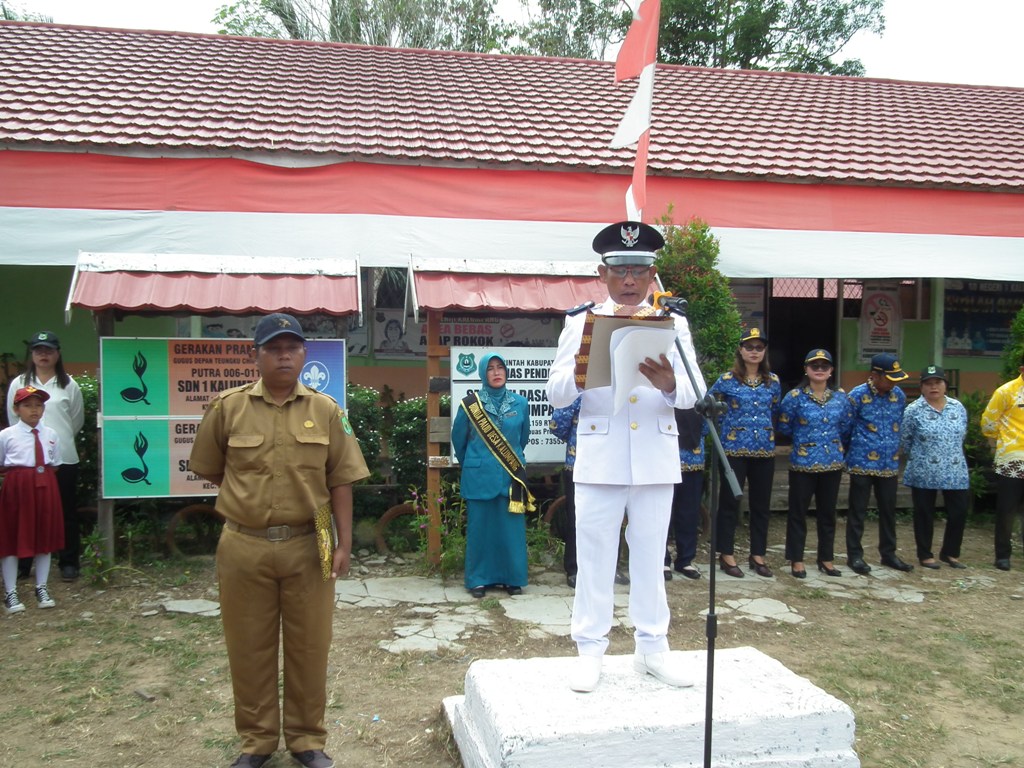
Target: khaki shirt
279	461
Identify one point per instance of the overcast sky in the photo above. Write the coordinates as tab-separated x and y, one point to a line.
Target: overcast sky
950	41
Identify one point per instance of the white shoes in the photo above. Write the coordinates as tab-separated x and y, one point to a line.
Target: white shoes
585	674
663	667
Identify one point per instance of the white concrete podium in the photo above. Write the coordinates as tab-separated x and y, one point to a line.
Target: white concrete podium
522	714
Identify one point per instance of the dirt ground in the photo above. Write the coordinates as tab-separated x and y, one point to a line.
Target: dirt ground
110	679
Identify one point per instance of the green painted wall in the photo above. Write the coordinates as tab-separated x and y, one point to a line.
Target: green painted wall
33	299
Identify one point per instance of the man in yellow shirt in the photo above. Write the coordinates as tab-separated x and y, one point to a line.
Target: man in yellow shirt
279	451
1003	420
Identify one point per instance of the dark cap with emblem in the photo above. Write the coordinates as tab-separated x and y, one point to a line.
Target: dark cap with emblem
887	365
753	334
818	354
628	243
272	326
44	339
933	372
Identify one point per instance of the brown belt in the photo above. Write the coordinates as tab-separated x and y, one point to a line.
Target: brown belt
274	532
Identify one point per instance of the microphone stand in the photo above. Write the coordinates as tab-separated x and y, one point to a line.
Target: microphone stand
709	408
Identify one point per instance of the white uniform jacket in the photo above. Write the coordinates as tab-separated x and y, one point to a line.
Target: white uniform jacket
640	444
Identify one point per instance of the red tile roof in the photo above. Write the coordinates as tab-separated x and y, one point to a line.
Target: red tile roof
87	89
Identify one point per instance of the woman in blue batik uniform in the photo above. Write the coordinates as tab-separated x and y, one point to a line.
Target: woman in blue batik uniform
496	525
819	419
934	428
751	393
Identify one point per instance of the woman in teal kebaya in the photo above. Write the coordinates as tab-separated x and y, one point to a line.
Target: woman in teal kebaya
496	521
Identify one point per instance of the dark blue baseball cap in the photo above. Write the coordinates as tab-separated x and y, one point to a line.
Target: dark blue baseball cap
272	326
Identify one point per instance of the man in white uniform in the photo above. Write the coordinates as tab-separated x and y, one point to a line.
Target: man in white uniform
626	462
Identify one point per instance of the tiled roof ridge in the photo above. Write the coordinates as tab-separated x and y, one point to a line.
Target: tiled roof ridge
498	55
79	88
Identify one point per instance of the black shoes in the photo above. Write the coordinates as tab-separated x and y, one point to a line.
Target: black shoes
478	592
951	562
859	566
68	573
246	760
827	570
688	571
1003	564
313	758
570	579
930	564
513	591
667	572
761	569
896	564
730	570
801	574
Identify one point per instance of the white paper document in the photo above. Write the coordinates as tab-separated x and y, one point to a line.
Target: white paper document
628	348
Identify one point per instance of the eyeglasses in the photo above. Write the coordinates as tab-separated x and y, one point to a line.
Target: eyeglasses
754	347
820	366
635	272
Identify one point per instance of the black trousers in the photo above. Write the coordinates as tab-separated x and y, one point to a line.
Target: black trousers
1009	493
885	496
686	497
824	488
757	472
924	521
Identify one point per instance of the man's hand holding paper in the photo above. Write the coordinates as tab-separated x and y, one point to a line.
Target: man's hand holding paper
639	358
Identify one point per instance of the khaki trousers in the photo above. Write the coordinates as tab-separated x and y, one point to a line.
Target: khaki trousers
271	590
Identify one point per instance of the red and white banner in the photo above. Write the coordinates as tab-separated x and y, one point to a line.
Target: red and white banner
637	58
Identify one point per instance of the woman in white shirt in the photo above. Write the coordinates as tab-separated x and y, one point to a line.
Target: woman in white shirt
65	415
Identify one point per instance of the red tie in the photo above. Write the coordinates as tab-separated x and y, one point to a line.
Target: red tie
40	459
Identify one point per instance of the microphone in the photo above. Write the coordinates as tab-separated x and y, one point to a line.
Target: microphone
664	300
582	308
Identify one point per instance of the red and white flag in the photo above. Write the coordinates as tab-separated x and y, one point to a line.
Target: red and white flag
637	58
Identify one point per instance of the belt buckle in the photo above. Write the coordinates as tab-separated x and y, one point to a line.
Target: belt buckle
279	533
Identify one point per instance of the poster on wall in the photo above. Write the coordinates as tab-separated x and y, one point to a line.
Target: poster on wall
153	395
978	315
528	369
392	339
881	321
750	303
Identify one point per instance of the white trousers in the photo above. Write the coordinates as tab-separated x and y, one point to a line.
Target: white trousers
599	513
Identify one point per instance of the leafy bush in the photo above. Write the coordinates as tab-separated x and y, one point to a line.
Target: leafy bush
366	415
407	442
1014	349
977	449
687	266
87	444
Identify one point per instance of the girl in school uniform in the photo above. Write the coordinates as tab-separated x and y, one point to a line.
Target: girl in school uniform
31	522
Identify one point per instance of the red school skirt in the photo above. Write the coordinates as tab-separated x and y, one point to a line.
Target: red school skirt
31	518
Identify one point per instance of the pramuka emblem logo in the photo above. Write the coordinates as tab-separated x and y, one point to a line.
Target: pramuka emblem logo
137	394
138	474
630	236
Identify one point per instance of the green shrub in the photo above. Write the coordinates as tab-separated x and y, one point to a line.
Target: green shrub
87	444
1014	349
687	267
366	415
407	442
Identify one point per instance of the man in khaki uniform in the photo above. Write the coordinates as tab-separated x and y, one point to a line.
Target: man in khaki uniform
278	451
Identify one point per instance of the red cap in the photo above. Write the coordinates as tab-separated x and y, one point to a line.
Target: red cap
26	392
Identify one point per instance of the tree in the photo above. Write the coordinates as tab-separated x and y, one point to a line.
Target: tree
462	25
687	266
14	12
1013	352
580	29
790	35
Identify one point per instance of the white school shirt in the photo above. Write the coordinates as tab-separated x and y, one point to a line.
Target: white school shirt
18	446
64	413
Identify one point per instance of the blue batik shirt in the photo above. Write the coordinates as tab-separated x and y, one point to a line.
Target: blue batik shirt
875	442
748	425
563	424
933	442
692	460
820	428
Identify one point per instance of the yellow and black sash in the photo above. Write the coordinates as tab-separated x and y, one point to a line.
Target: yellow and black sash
520	499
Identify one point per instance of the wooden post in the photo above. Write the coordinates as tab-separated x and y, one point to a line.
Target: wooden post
104	321
435	351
